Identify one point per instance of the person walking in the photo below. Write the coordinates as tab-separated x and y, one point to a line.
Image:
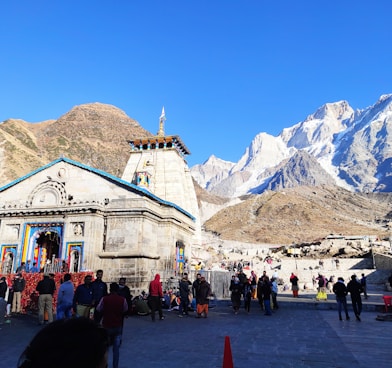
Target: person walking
203	292
253	282
46	287
260	292
340	290
354	287
322	287
243	280
3	301
155	296
125	292
196	284
100	289
294	284
236	292
83	298
274	293
248	292
364	285
18	286
65	298
266	292
9	298
184	296
112	308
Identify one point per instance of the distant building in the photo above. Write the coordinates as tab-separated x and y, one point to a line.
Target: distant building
333	236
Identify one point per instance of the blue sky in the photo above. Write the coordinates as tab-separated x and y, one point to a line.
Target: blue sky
225	70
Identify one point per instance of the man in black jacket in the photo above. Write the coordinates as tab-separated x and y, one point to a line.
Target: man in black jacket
125	292
100	289
340	291
203	293
184	295
46	288
18	286
196	284
354	287
83	298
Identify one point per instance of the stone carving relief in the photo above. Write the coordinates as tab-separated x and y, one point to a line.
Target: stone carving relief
78	228
48	194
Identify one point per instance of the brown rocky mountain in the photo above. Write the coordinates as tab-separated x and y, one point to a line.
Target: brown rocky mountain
96	134
303	214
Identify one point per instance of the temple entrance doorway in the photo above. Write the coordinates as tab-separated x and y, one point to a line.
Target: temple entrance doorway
74	264
47	248
8	263
180	258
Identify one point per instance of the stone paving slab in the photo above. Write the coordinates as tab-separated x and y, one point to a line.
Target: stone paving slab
292	337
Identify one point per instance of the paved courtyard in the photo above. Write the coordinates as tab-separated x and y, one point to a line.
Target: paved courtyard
294	336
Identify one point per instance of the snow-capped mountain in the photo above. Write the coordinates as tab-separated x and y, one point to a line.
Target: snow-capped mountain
334	145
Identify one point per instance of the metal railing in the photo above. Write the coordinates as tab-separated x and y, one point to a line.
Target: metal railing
54	266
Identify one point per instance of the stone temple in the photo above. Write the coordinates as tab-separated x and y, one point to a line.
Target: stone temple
143	223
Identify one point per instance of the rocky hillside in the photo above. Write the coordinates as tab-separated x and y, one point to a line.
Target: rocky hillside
95	134
303	214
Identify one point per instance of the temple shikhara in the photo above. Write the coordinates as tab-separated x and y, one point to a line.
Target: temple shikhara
135	226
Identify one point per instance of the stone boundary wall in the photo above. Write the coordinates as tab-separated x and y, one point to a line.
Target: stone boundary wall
382	261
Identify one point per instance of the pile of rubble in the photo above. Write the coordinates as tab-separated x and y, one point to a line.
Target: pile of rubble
217	253
337	247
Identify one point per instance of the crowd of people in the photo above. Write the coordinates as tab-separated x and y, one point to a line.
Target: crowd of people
11	296
189	297
90	301
95	305
94	302
264	289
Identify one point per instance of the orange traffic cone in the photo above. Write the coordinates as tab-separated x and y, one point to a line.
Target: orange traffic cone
227	356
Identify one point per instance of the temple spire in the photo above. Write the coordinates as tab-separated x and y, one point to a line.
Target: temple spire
162	118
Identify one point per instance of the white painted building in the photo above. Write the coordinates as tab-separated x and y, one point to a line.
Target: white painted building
145	222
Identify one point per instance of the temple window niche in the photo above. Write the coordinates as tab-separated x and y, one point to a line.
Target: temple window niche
143	179
180	257
13	231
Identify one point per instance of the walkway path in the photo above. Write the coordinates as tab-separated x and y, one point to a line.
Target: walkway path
294	336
